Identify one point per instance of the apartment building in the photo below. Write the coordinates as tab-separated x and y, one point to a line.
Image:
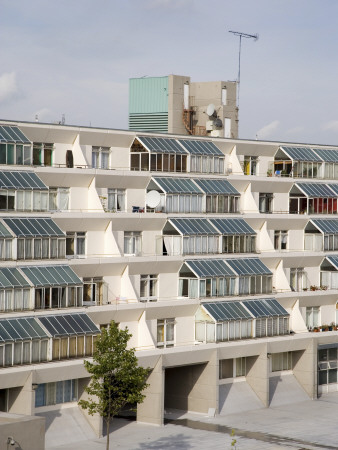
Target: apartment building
219	255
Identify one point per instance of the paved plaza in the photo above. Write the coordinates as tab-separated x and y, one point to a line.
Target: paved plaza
305	425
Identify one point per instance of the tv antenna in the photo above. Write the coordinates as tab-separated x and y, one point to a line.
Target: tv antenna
241	35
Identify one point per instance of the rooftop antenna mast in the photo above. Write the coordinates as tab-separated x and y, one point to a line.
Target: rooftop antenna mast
241	35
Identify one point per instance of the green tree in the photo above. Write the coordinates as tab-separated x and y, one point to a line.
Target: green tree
116	379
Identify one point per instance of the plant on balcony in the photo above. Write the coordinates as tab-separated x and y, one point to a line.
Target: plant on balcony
323	288
269	173
324	327
314	288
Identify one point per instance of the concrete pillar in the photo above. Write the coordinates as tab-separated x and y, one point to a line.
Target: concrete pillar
305	368
95	421
194	387
21	399
152	408
204	393
258	375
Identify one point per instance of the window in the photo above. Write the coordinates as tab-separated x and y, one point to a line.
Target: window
55	393
75	244
222	204
281	361
281	240
100	157
298	279
6	248
148	287
14	299
41	248
327	366
23	352
95	291
132	242
239	244
265	203
250	165
312	316
58	297
16	154
116	199
232	368
42	154
165	333
58	199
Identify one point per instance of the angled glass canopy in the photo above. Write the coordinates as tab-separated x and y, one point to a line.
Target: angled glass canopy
216	186
177	185
265	307
334	188
51	275
232	226
20	329
327	226
194	226
248	266
200	147
12	134
209	267
317	189
20	180
161	145
301	154
10	277
28	226
327	155
223	311
333	259
68	325
4	233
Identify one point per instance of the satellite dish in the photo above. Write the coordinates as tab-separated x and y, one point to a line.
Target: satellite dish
153	199
211	109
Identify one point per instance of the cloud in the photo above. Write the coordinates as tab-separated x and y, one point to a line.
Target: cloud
331	126
8	87
294	130
268	130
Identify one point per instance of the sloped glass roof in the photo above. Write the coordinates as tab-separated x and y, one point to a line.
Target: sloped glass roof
316	190
209	267
28	226
199	226
68	324
248	266
161	145
11	277
301	153
177	185
20	180
327	155
223	311
232	226
200	147
4	233
51	275
265	307
210	186
23	328
12	134
326	225
334	188
333	259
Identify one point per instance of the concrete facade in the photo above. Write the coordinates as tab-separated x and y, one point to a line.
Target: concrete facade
136	268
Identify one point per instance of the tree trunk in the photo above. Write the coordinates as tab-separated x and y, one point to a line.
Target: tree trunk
107	431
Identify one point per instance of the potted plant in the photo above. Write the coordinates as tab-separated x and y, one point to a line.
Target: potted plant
269	173
316	329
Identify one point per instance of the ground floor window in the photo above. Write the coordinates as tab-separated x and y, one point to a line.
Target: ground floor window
281	361
232	368
327	366
55	393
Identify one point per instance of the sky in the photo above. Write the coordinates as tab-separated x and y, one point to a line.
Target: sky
75	57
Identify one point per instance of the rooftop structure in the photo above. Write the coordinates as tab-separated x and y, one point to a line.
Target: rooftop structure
175	104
